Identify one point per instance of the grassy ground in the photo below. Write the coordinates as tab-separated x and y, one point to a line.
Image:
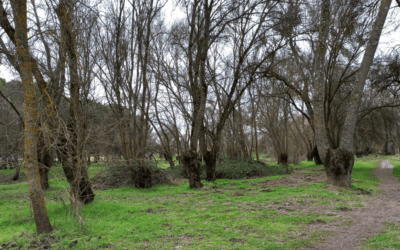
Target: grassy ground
162	163
226	214
390	238
396	170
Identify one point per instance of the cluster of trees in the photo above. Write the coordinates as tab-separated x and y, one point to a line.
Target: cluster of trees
232	77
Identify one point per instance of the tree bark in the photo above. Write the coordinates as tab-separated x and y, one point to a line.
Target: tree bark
339	162
71	149
45	161
317	160
192	165
211	164
16	175
346	140
283	158
319	85
30	132
170	160
310	156
338	167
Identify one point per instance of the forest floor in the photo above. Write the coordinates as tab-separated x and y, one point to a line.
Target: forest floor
295	211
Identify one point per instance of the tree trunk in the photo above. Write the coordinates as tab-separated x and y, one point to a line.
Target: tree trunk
45	162
72	157
338	167
31	116
310	156
321	138
317	159
359	153
3	164
340	164
81	185
211	164
192	166
16	175
170	160
283	158
347	137
44	176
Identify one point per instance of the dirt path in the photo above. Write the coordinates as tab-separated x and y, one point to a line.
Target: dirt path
367	221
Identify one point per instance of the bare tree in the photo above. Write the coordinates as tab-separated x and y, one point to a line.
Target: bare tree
339	162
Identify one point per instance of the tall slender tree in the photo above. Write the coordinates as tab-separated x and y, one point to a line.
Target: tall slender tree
31	116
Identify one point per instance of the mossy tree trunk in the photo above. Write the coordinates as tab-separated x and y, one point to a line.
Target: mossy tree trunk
31	116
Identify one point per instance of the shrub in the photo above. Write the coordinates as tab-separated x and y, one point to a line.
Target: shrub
234	169
117	174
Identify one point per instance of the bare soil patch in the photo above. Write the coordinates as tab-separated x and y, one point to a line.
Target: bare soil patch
366	221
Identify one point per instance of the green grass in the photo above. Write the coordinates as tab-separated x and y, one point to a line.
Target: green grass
228	214
396	168
388	239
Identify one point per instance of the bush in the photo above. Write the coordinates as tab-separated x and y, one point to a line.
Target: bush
117	174
234	169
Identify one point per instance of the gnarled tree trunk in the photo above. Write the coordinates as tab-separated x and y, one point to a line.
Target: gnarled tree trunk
192	166
338	167
78	179
283	158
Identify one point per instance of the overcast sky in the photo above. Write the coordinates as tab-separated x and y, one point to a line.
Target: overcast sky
388	41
